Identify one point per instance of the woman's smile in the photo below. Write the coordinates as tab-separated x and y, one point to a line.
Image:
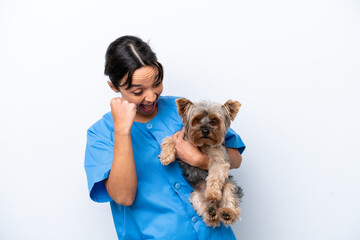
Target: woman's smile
148	107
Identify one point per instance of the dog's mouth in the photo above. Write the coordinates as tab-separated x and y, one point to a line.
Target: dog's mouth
205	137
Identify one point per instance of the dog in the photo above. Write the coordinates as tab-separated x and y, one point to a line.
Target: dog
216	196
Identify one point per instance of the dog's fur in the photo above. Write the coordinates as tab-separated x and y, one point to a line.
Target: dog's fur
216	197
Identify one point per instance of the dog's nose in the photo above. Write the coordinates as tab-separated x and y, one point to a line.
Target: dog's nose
205	131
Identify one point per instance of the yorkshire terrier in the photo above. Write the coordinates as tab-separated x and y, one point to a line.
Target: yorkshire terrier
216	197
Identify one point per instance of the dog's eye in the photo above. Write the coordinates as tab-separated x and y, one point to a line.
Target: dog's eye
197	119
213	120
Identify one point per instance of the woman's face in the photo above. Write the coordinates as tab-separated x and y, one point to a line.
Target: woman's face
144	92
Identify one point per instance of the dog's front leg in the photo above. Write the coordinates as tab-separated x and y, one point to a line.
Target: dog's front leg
218	173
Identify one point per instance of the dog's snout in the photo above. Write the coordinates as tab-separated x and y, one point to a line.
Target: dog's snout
205	131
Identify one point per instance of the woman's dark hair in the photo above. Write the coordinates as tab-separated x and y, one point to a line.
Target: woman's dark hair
125	55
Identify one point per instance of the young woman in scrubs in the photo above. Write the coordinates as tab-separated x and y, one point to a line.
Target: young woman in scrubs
148	200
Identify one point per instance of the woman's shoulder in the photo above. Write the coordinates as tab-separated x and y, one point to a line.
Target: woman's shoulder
103	126
168	98
168	101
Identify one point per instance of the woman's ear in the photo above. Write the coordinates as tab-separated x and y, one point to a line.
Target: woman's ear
112	87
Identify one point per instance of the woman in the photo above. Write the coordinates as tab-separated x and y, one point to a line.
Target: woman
148	200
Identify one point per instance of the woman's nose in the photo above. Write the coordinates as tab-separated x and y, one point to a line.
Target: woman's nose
150	97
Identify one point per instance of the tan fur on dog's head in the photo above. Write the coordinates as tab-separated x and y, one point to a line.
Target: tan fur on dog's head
206	123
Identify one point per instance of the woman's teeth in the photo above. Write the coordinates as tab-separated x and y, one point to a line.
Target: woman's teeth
147	106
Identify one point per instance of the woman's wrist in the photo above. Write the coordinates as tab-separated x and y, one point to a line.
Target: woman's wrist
203	161
122	132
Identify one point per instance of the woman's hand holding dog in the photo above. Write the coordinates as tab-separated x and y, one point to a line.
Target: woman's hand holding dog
123	114
188	152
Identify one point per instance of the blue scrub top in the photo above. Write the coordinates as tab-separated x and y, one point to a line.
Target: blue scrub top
161	209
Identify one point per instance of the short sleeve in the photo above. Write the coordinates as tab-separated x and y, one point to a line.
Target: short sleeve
98	160
233	140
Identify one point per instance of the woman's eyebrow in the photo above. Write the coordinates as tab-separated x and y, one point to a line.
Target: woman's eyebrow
135	85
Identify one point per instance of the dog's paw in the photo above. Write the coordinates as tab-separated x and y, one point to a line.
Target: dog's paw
211	217
228	215
167	154
213	195
212	212
167	157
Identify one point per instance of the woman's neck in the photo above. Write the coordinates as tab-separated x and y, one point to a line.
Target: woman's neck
144	119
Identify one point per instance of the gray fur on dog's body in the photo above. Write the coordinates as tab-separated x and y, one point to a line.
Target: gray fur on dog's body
193	175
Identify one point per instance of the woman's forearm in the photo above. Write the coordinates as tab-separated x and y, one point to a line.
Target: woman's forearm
235	157
122	181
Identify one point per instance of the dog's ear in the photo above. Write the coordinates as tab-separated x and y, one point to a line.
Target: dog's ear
183	105
232	108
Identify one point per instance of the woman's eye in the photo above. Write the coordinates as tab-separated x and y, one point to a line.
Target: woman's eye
138	93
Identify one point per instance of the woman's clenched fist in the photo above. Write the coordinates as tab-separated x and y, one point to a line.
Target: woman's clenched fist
123	113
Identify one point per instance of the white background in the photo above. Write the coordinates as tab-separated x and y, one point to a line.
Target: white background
294	65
